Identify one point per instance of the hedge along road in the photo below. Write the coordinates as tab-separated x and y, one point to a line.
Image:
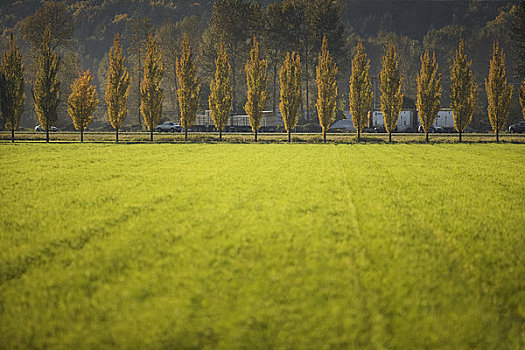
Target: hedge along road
139	137
402	246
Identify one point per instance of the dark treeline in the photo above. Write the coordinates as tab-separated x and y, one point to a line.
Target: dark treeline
83	32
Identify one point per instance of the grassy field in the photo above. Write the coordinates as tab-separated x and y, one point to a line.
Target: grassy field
367	246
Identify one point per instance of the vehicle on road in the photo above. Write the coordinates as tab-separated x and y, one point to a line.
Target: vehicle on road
40	128
433	129
519	127
169	127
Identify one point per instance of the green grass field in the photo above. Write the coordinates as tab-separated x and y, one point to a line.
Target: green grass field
186	246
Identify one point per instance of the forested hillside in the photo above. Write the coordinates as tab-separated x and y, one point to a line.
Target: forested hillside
84	31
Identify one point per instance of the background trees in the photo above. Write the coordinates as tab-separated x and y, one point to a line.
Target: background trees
12	94
463	91
499	93
256	83
518	35
189	87
522	98
235	22
46	88
391	95
151	92
221	91
326	88
139	32
58	17
428	92
361	93
82	102
117	87
290	79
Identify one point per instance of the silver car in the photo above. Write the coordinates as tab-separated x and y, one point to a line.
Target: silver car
40	128
169	127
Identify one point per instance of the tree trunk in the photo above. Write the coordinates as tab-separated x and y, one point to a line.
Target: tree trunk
324	135
12	132
116	136
358	135
81	135
460	136
220	135
426	138
289	136
390	137
185	134
151	135
255	135
47	130
497	135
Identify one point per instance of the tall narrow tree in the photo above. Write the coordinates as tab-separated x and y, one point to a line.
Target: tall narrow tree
220	99
189	87
151	92
12	95
46	88
256	82
326	79
82	102
463	91
522	98
390	81
117	87
361	93
290	79
499	92
428	91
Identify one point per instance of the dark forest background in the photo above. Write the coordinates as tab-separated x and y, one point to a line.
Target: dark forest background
84	31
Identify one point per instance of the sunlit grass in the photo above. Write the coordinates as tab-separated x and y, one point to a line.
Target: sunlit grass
262	246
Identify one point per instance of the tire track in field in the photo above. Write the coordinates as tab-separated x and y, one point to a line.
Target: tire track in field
374	322
17	267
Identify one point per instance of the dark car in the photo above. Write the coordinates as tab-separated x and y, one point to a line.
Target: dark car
433	129
40	128
169	127
380	129
519	127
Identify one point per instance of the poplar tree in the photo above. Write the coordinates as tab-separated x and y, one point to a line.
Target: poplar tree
12	95
189	87
220	99
522	98
256	82
428	91
117	87
151	93
291	99
361	94
82	102
326	72
46	88
463	91
390	81
499	93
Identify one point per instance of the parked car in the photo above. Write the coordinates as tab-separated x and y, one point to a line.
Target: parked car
519	127
433	129
40	128
380	129
169	127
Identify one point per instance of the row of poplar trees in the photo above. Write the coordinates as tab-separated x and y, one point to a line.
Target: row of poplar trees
83	99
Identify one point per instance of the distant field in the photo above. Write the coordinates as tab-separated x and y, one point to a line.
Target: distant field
305	246
212	137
